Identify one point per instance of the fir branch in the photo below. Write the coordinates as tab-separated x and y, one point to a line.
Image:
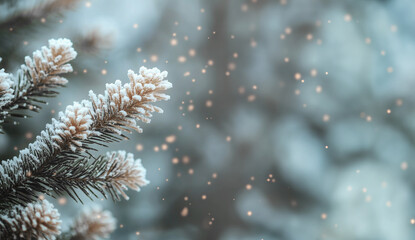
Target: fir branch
99	121
124	172
112	174
36	220
37	78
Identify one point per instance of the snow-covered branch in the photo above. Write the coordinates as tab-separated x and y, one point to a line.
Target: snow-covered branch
36	78
82	125
124	172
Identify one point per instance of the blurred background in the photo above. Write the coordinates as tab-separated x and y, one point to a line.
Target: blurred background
288	119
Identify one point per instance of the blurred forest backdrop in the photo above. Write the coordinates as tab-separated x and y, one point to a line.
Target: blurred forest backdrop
289	119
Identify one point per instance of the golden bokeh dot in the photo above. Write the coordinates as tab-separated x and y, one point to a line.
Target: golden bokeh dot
154	58
139	147
186	160
164	147
347	17
181	59
192	52
319	89
62	201
209	103
313	72
404	166
184	212
171	139
29	135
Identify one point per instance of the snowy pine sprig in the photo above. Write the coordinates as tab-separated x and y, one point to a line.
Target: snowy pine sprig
70	138
35	221
60	161
123	172
111	174
35	79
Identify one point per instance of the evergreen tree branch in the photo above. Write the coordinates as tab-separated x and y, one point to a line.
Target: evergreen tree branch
112	174
101	120
37	78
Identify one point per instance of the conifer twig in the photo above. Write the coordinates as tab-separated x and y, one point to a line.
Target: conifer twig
36	78
113	173
101	120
